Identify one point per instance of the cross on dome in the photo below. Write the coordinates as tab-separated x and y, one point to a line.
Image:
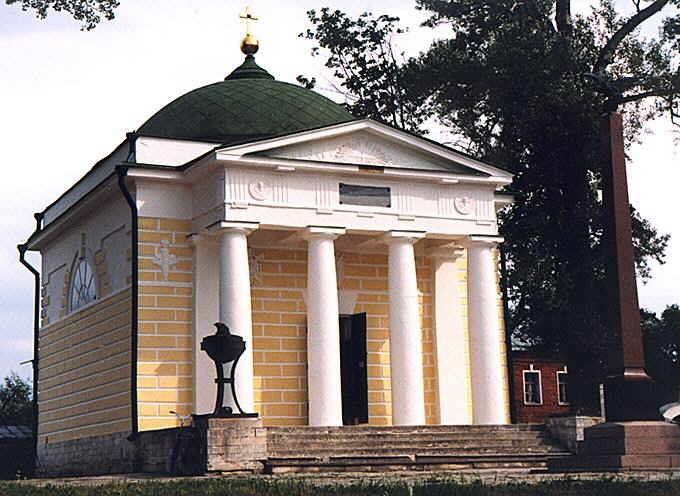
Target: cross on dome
249	44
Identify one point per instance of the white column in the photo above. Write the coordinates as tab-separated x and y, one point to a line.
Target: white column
323	333
235	307
206	313
489	399
406	348
453	377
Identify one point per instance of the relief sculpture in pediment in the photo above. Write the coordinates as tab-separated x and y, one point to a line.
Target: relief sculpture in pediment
362	151
349	151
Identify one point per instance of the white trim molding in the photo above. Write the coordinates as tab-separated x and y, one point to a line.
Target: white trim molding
532	370
566	386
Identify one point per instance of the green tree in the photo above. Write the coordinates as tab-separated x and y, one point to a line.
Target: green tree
508	83
88	12
662	344
15	401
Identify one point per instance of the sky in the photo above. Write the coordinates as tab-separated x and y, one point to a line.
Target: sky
67	98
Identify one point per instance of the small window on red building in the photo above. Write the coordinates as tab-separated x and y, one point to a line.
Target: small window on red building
562	386
532	386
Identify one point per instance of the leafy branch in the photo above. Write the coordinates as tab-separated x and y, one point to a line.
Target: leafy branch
88	12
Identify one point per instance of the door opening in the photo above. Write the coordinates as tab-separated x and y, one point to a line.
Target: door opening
353	369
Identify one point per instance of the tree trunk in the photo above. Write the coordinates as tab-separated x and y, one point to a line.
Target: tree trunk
563	17
581	324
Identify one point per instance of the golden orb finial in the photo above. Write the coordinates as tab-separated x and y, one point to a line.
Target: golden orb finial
249	44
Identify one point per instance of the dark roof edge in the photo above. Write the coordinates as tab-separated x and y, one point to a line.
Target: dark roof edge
82	198
158	136
440	145
410	133
85	176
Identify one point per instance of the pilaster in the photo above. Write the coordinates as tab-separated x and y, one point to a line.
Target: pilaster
453	376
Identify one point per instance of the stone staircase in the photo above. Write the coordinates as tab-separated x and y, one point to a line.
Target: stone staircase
373	448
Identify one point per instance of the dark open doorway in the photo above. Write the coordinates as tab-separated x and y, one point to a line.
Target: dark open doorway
353	369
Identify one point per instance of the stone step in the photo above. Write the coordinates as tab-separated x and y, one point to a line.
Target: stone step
467	443
530	463
384	448
407	451
469	429
380	437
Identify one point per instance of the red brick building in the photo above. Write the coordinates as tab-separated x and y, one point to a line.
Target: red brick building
540	387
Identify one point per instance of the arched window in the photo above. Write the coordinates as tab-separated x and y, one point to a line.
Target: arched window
83	284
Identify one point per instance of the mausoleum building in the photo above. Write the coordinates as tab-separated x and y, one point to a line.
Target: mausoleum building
358	262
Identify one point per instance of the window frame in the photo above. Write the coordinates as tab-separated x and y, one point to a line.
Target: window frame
77	263
531	370
559	396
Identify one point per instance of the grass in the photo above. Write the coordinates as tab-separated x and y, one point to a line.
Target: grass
282	487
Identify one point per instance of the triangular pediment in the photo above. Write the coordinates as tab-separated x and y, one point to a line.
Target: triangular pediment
367	143
366	148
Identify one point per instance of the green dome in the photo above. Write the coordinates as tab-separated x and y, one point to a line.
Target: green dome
248	104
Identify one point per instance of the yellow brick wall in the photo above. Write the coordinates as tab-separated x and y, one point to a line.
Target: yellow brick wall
84	372
279	329
279	333
165	363
501	326
280	336
367	273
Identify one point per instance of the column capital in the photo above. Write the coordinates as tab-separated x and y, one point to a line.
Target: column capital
322	232
231	226
410	237
490	241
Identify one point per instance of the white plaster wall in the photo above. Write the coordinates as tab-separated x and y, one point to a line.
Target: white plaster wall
116	245
207	193
300	199
162	151
453	375
106	227
163	199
